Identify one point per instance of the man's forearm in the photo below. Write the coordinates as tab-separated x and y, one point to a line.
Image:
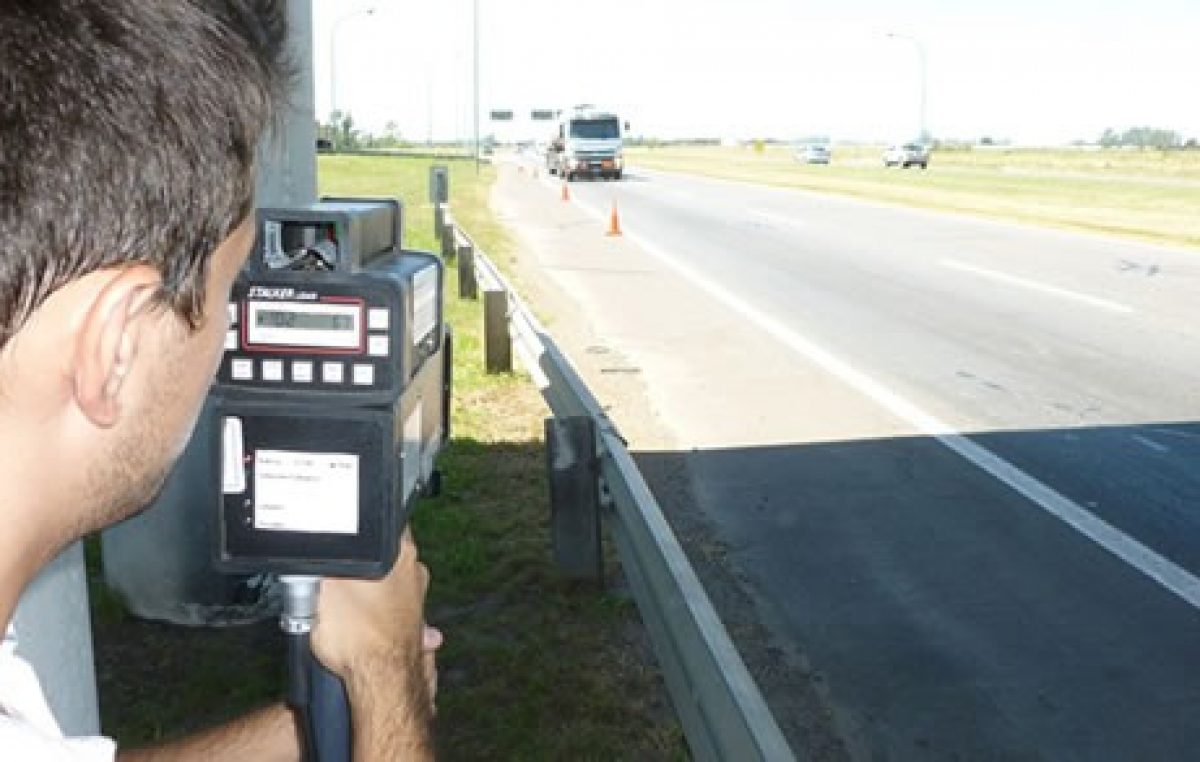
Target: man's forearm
391	712
269	735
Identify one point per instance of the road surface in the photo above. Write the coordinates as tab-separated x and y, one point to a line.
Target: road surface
955	462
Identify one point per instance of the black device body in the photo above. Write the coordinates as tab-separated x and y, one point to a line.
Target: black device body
361	228
331	396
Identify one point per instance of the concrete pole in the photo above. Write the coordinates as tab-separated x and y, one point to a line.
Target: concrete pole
54	633
287	160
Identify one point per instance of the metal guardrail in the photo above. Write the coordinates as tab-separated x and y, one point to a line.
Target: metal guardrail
719	705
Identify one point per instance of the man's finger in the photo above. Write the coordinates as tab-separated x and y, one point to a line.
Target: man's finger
432	638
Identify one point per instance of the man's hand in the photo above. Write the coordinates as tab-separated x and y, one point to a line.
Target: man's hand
372	633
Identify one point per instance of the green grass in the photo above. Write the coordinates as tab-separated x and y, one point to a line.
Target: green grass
1149	195
533	667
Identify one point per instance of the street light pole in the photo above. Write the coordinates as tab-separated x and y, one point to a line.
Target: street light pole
476	64
333	106
920	47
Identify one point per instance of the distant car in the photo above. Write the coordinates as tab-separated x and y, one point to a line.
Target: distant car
907	155
324	145
813	153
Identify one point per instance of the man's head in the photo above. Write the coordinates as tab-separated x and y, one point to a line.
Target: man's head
128	131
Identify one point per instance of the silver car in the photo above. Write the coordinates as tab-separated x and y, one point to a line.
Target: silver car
813	153
907	155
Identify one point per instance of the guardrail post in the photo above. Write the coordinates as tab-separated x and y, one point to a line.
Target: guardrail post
468	287
439	183
574	471
497	345
448	238
439	220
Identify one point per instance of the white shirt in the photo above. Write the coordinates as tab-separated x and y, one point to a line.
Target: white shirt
28	731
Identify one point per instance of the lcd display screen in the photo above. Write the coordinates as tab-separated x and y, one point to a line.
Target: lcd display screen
305	325
307	321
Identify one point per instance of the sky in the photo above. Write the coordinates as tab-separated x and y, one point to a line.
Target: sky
1037	72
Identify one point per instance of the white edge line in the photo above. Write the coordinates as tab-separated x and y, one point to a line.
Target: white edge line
1045	288
1158	568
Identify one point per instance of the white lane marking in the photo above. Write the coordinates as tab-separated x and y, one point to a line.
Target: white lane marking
1158	568
1151	444
1032	285
777	219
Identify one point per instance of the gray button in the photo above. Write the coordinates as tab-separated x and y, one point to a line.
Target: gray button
364	375
302	371
242	369
333	372
377	346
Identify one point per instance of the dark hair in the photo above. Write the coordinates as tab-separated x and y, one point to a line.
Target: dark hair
128	132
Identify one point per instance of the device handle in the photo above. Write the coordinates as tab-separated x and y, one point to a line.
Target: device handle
316	695
299	657
328	715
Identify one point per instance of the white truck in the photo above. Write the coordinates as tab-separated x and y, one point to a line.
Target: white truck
587	143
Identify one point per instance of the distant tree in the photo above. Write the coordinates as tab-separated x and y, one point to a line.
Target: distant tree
341	133
1141	137
391	135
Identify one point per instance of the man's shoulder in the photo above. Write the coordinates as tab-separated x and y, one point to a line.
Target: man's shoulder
20	740
27	728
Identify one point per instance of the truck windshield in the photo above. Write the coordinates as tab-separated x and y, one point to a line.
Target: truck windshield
595	129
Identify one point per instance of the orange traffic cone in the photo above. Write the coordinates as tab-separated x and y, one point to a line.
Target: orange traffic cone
614	221
566	194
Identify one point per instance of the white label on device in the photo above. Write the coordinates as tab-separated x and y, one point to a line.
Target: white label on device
425	300
306	491
233	469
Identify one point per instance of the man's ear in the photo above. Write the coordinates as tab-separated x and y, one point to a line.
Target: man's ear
108	338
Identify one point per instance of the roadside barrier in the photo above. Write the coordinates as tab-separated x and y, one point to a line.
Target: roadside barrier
593	476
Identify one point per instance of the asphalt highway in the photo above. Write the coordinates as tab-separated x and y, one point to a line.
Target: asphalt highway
956	461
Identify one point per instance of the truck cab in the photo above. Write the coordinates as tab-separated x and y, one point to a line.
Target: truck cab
587	143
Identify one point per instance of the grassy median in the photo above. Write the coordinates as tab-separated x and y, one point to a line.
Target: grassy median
533	667
1150	195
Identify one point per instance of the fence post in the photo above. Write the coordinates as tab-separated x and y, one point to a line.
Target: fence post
497	345
574	472
468	287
